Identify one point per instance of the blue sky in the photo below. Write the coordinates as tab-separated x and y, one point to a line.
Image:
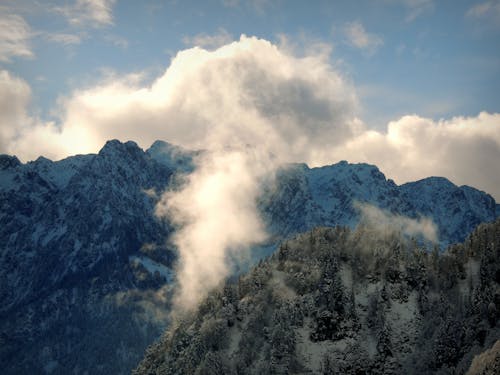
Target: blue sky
409	85
436	59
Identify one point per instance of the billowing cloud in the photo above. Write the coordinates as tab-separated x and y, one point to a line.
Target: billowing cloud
93	13
250	89
464	149
15	34
386	222
217	217
358	37
209	41
263	94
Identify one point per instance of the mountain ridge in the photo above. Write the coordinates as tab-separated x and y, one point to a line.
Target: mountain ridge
81	245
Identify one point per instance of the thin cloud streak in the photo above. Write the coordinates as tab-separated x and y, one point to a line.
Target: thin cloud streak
15	34
92	13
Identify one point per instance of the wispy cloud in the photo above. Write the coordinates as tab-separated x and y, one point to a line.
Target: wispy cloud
15	34
488	10
209	41
359	38
63	38
417	7
93	13
414	8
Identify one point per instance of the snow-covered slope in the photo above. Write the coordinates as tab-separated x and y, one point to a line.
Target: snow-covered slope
455	210
68	230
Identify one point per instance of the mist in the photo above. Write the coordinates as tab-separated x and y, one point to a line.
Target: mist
255	119
386	222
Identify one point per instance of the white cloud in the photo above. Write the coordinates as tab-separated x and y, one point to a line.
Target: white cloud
209	41
18	129
237	88
218	218
358	37
94	13
263	94
464	149
15	34
14	99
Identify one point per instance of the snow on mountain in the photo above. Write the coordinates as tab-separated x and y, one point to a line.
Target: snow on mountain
303	198
68	230
174	157
84	262
455	210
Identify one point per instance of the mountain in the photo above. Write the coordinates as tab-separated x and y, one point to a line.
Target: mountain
336	301
86	266
303	198
79	239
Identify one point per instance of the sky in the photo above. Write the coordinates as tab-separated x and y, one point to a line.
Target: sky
409	85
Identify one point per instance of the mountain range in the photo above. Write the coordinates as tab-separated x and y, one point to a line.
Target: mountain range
86	268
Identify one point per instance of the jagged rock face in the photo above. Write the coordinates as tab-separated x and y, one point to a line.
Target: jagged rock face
333	301
68	231
83	260
455	210
302	198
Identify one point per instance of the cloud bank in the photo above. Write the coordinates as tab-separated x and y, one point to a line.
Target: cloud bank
466	150
300	107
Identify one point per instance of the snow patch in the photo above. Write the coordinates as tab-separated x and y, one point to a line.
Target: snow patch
151	266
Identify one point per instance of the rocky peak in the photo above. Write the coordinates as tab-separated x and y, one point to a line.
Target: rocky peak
115	148
7	162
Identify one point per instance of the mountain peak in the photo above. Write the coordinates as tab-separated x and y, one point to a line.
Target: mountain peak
172	156
7	162
114	147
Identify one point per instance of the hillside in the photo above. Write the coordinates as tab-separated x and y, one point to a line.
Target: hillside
336	301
